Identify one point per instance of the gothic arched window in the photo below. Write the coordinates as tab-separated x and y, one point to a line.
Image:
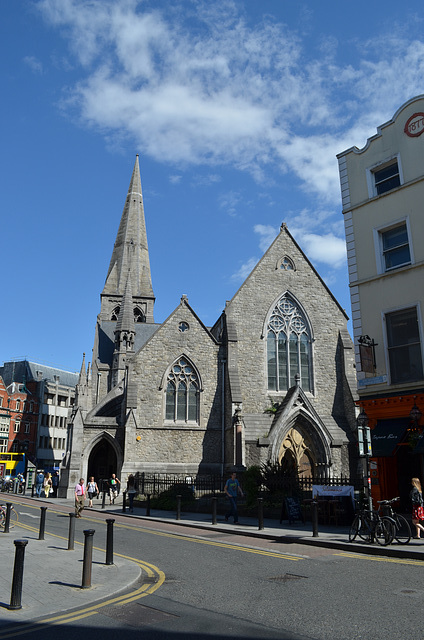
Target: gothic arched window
288	347
182	393
115	314
139	315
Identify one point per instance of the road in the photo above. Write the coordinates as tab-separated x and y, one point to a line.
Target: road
227	586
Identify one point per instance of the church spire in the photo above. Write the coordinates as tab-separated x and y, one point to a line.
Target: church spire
130	256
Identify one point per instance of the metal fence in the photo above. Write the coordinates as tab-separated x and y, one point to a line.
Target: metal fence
201	485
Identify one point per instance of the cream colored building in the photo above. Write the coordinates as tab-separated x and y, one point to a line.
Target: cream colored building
383	206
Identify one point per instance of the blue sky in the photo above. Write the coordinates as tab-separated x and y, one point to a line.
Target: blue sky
237	110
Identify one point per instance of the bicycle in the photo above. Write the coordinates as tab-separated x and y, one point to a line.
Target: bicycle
370	527
14	518
402	528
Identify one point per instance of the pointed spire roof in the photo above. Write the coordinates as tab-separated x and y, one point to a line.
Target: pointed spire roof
83	375
125	320
131	252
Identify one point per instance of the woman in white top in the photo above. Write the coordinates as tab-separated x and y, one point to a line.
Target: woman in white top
92	490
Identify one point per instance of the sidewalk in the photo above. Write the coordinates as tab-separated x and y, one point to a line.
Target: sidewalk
52	578
336	537
53	575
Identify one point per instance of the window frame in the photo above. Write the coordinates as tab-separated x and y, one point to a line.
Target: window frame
380	166
379	245
292	347
182	387
392	350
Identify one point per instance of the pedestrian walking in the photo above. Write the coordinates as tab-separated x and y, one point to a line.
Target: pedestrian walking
114	484
55	484
417	506
39	483
92	490
232	489
47	484
79	497
131	491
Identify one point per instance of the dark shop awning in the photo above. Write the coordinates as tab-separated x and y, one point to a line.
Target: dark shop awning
386	435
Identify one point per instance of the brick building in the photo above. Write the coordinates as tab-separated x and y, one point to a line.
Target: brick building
18	419
271	380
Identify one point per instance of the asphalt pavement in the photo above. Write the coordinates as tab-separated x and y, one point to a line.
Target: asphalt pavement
53	575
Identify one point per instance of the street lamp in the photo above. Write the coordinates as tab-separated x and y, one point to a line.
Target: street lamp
415	415
365	448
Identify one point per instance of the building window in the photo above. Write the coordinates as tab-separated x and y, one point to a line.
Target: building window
139	315
27	427
182	393
1	401
386	177
18	405
3	446
115	314
17	427
395	247
288	347
404	346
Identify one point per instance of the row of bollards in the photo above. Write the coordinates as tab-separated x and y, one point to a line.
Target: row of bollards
18	568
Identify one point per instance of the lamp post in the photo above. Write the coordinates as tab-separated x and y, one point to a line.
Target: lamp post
365	449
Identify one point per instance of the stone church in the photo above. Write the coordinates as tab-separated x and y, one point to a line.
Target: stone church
272	379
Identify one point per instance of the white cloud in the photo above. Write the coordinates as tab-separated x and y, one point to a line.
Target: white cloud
196	83
267	235
34	64
326	249
245	270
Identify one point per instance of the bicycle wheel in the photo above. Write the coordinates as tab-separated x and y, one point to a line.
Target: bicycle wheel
354	528
2	518
403	530
384	532
364	531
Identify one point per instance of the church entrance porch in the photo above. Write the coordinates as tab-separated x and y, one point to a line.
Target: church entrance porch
102	462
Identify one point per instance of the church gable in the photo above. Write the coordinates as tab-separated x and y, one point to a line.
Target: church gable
287	322
179	361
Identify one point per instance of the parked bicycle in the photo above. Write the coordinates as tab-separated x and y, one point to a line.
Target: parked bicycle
13	516
370	527
402	528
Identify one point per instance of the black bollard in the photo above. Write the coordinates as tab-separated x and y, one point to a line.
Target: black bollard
109	541
314	510
260	514
18	575
88	557
214	501
7	519
124	501
32	490
103	498
71	534
42	523
148	505
178	508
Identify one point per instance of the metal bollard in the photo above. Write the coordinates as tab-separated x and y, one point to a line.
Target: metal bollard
124	501
7	520
260	513
71	534
148	505
103	498
314	511
88	557
109	541
18	575
42	523
178	508
32	490
214	502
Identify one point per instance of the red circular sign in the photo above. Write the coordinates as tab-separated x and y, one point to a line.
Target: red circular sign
414	126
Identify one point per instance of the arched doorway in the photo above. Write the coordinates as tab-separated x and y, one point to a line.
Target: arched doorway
295	452
102	461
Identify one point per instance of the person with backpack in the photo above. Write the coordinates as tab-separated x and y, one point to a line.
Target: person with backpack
416	496
39	483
